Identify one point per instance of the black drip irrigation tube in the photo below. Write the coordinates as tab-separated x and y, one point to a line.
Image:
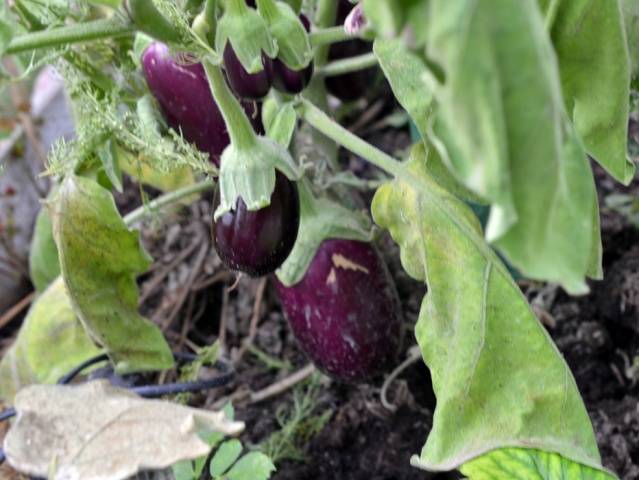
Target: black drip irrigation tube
147	391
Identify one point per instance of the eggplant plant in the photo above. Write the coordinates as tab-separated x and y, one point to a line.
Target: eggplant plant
511	100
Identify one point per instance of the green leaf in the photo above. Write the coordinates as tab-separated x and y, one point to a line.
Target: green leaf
225	456
498	378
107	154
6	28
44	266
252	466
99	259
529	464
630	9
51	342
279	121
390	18
183	470
591	49
500	125
407	74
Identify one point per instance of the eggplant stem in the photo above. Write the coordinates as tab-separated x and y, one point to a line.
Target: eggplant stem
242	135
329	35
79	32
165	200
348	65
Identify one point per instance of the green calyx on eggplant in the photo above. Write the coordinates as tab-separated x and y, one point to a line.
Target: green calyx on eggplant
183	93
285	75
257	207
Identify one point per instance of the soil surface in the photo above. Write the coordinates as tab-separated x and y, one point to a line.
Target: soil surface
343	431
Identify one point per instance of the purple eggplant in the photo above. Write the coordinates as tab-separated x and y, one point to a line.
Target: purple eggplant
185	98
283	78
258	242
349	86
252	86
345	312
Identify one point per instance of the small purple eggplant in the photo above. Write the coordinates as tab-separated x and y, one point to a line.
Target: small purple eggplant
283	78
258	242
345	312
185	98
250	86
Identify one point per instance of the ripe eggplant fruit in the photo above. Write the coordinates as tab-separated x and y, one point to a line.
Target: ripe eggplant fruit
250	86
283	78
345	313
258	242
185	99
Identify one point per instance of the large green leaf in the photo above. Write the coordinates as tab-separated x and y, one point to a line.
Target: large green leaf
529	464
99	259
630	9
590	44
51	342
500	125
499	379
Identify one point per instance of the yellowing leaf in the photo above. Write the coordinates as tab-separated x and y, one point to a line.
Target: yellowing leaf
96	431
100	258
498	378
51	342
529	464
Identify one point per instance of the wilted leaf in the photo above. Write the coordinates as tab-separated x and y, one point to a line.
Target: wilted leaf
96	431
44	266
528	464
590	44
51	342
500	125
498	378
99	259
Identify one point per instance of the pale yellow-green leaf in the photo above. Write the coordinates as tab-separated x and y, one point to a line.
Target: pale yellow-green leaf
51	342
99	259
498	377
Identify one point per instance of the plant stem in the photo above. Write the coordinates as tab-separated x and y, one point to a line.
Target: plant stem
326	36
165	200
268	10
324	17
238	125
79	32
347	65
319	120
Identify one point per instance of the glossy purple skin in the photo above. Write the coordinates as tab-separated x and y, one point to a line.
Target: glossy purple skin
283	78
252	86
345	312
186	100
258	242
